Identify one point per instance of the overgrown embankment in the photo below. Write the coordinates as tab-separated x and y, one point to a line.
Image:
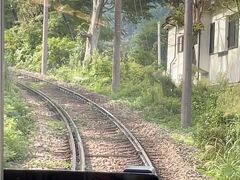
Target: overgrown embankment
217	131
216	109
143	87
17	125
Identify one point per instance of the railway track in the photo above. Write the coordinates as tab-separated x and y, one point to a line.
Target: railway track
77	151
107	143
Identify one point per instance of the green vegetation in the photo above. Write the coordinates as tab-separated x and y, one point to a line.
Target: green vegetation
216	109
218	129
23	48
57	127
17	126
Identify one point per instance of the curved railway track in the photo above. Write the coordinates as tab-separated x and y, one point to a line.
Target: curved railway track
123	143
76	145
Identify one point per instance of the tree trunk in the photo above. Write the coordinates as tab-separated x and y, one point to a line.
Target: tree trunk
186	106
45	38
117	47
94	29
193	15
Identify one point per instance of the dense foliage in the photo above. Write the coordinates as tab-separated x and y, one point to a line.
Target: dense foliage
217	111
17	126
143	48
23	48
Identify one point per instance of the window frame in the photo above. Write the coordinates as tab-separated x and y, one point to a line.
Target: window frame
233	22
212	38
180	43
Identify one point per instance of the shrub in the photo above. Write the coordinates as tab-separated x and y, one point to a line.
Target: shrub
142	47
14	141
20	42
17	126
216	113
23	45
59	52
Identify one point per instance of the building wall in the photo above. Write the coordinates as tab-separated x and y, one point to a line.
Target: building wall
204	62
174	58
223	61
171	48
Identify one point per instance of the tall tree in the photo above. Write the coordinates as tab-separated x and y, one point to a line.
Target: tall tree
94	28
117	47
186	111
129	9
45	38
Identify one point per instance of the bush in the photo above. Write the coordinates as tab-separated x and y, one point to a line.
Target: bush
17	126
142	48
23	46
216	113
20	42
97	75
14	141
60	50
142	57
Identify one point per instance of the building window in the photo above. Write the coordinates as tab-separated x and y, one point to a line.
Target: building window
180	43
233	31
212	37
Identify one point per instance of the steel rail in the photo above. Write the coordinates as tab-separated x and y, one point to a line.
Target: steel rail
133	140
76	144
2	12
138	147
